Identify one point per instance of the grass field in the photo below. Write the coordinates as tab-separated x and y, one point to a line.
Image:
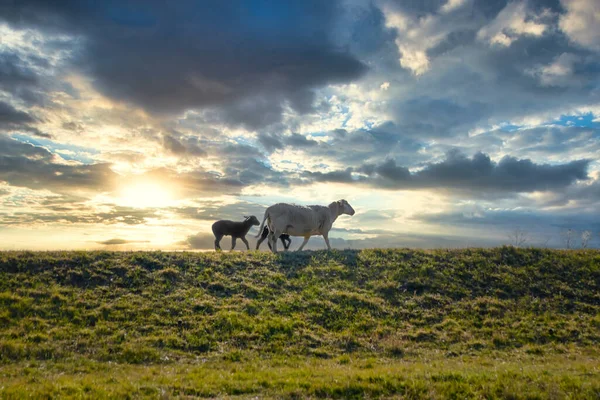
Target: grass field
473	323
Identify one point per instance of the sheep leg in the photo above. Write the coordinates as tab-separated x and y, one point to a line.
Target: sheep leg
273	238
283	243
304	243
246	243
233	240
258	243
326	237
217	242
270	240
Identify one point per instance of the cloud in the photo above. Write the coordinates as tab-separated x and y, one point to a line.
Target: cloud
464	83
406	240
34	167
13	120
112	242
9	116
270	141
25	165
349	148
200	241
458	172
273	141
217	210
415	37
584	196
15	74
344	176
551	142
363	231
513	21
509	174
226	54
581	22
296	140
559	72
182	145
452	5
75	213
539	225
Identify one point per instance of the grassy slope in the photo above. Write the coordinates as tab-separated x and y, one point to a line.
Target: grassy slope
496	323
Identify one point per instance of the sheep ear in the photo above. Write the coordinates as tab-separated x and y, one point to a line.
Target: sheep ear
245	216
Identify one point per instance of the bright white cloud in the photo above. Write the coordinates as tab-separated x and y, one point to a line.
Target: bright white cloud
414	38
581	22
557	73
513	21
452	5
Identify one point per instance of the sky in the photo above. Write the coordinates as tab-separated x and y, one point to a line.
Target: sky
132	125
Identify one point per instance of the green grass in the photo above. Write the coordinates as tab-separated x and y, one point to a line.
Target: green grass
496	323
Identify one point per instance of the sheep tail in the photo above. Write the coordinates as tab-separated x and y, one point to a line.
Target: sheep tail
262	225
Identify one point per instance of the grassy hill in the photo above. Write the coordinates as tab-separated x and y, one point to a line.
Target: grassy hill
505	322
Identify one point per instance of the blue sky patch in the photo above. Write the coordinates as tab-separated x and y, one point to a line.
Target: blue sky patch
582	121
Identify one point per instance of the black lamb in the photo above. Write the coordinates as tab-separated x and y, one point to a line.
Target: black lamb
284	238
237	230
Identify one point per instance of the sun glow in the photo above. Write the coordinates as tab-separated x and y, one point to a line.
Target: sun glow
146	194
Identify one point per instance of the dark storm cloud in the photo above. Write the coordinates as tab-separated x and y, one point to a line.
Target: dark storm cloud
9	116
270	142
23	77
344	176
13	120
297	140
247	165
487	9
431	117
371	145
15	73
18	78
251	113
509	174
458	172
168	58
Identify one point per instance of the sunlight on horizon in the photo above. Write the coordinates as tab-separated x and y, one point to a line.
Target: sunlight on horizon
146	195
